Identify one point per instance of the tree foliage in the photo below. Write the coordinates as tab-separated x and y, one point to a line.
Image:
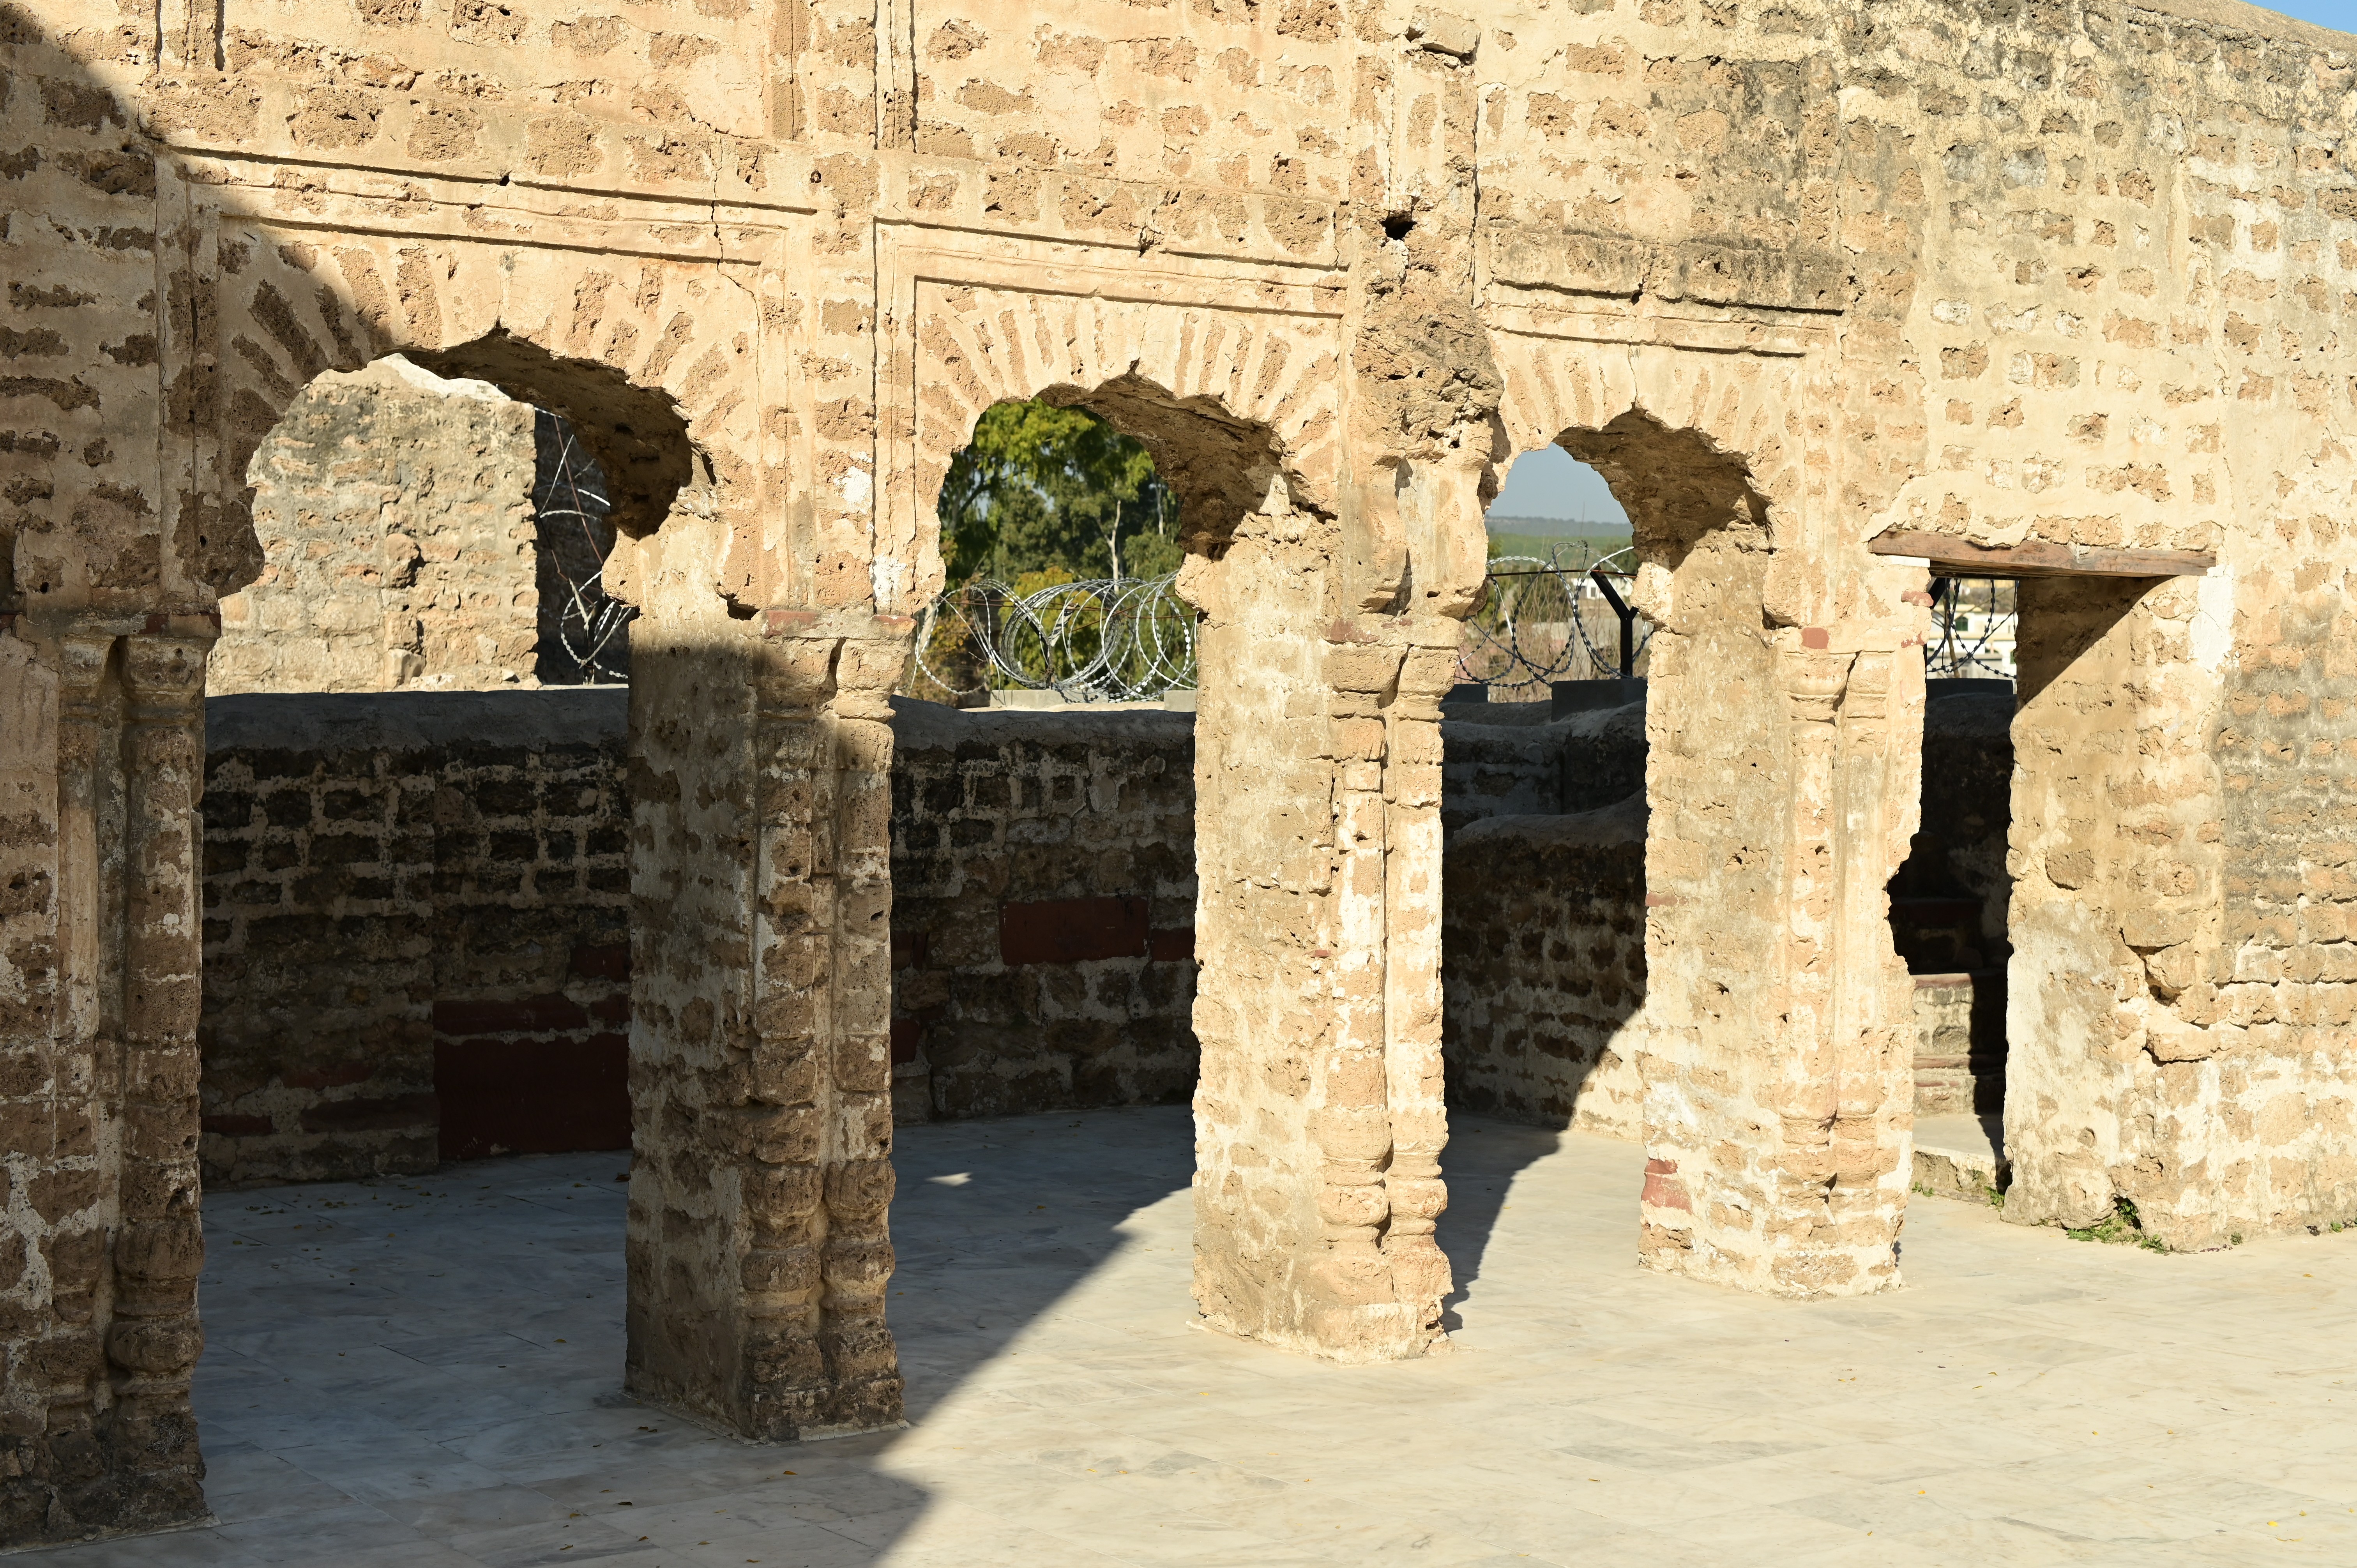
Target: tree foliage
1045	488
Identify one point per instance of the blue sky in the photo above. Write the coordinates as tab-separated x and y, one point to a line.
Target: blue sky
2343	16
1551	483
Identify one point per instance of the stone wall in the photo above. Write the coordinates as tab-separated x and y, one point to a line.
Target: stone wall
415	930
415	923
1520	759
1543	968
395	513
1043	909
414	918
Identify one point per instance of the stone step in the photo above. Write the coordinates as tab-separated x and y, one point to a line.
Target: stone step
1961	1157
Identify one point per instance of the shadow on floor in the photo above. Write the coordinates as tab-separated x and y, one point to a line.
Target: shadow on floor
426	1371
1482	1161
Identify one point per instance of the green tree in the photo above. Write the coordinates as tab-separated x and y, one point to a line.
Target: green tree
1043	488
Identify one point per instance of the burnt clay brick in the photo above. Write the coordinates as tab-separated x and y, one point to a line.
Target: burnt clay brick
527	1016
533	1097
1070	930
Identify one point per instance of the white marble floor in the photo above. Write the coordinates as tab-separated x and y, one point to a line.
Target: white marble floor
427	1374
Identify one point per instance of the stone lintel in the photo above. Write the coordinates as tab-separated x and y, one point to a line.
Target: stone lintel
2040	558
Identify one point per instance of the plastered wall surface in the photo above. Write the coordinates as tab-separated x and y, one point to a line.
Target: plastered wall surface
1796	277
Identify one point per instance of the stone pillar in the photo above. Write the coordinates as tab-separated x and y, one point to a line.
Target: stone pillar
102	1233
2175	855
761	1059
1781	776
1319	1118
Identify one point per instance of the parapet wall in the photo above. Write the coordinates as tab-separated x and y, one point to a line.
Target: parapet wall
416	938
415	916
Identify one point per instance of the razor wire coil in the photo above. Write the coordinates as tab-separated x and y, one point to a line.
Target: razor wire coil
570	507
1095	639
1542	620
1974	622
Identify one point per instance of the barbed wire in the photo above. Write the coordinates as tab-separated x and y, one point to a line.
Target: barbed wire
1972	639
570	503
1547	620
1095	639
1132	638
1541	619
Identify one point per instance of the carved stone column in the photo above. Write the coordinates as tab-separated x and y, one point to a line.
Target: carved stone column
102	1237
1318	1117
1778	1109
761	1251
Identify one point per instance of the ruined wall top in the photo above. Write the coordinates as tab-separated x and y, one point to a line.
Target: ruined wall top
2002	271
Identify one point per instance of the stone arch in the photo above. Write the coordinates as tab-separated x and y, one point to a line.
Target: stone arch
682	367
658	365
1723	407
1781	785
1227	402
1316	784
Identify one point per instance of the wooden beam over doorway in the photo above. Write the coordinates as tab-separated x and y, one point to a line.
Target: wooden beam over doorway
1959	558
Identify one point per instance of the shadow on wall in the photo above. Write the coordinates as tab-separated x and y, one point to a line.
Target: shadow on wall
1542	943
416	930
1043	911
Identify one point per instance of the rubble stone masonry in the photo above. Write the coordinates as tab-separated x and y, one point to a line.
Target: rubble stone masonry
417	946
1543	968
416	930
1827	289
394	509
1043	909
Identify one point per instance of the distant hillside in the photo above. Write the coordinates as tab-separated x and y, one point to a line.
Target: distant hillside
1569	549
1558	527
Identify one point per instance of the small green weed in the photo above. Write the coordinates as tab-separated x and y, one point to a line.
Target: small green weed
2121	1228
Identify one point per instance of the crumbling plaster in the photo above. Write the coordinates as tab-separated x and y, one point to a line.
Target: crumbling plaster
1792	274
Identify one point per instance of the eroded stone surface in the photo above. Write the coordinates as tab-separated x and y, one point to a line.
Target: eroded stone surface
393	511
1793	278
